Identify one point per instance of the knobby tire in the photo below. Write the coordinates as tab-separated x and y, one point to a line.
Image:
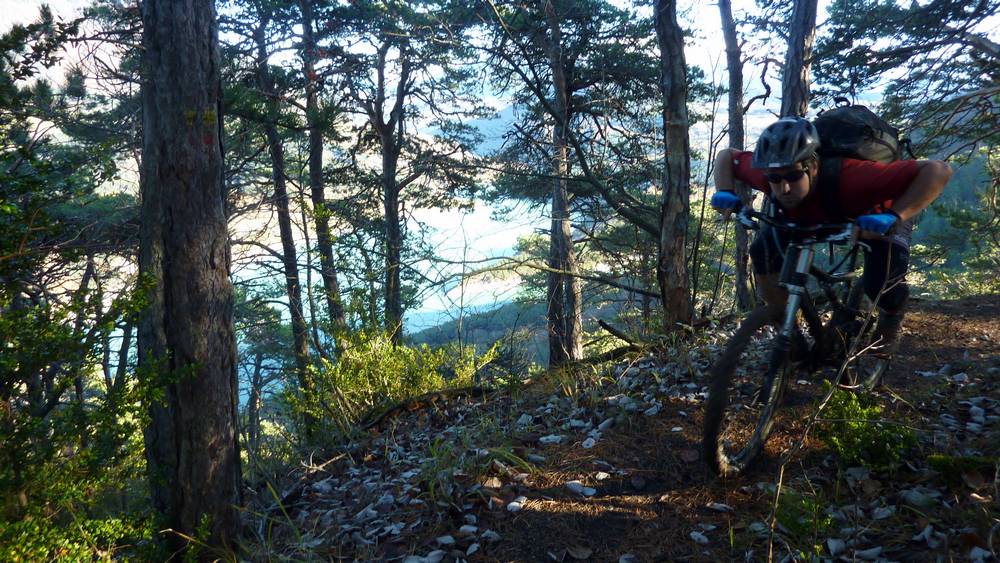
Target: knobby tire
726	460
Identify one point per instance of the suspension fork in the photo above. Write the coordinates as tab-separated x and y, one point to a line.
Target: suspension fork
794	274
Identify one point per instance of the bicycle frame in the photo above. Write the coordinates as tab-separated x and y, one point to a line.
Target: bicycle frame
797	269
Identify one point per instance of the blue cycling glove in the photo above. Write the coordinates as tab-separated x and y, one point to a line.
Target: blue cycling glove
879	223
725	201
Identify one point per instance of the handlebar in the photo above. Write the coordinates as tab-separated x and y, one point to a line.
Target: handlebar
838	233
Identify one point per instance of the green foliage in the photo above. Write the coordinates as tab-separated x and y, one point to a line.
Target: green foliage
372	373
36	539
802	515
855	431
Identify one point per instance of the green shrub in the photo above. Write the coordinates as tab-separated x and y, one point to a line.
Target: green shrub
372	372
803	516
855	431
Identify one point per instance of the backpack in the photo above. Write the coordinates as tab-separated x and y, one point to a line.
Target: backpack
851	131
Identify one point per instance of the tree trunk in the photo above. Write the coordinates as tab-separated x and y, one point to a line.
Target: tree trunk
671	267
80	298
734	65
798	59
300	330
393	239
186	334
253	404
321	216
564	305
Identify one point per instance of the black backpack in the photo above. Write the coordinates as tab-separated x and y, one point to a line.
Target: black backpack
850	131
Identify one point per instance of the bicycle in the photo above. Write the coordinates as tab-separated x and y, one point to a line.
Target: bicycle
739	415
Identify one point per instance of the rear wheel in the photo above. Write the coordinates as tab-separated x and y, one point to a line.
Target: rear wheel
747	383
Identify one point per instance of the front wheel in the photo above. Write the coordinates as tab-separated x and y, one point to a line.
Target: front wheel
747	383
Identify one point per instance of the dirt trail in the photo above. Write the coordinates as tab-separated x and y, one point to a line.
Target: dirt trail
652	510
492	479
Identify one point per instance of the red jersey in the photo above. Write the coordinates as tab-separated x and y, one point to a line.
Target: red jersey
865	187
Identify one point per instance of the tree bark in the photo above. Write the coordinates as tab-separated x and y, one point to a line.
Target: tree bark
390	131
186	341
671	267
564	297
321	216
798	59
734	66
300	330
393	239
253	404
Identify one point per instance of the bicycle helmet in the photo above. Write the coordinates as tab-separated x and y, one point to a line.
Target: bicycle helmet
786	142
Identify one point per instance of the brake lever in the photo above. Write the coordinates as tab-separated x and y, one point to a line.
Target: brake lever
744	218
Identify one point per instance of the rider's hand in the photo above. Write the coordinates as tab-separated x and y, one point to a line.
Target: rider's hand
725	202
878	223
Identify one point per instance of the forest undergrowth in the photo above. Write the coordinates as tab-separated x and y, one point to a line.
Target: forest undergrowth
606	465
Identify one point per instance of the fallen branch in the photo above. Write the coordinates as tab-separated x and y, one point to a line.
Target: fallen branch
615	332
371	420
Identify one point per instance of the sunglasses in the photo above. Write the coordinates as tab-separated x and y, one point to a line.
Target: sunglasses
790	177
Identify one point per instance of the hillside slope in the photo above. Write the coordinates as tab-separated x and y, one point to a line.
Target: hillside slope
607	467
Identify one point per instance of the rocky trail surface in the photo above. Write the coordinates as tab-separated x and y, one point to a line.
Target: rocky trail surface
607	466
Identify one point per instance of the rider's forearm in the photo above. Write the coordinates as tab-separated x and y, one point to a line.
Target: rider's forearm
925	188
723	172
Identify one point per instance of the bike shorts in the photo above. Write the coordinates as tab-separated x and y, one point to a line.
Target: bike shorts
884	269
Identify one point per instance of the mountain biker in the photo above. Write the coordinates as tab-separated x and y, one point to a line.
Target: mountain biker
882	198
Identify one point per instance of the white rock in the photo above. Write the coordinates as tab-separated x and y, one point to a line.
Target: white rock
472	549
977	414
627	558
366	514
445	540
323	487
489	535
960	378
869	554
470	519
836	546
575	486
524	420
608	423
979	554
719	507
467	530
588	443
883	512
601	476
651	411
550	439
676	429
916	498
517	504
699	538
